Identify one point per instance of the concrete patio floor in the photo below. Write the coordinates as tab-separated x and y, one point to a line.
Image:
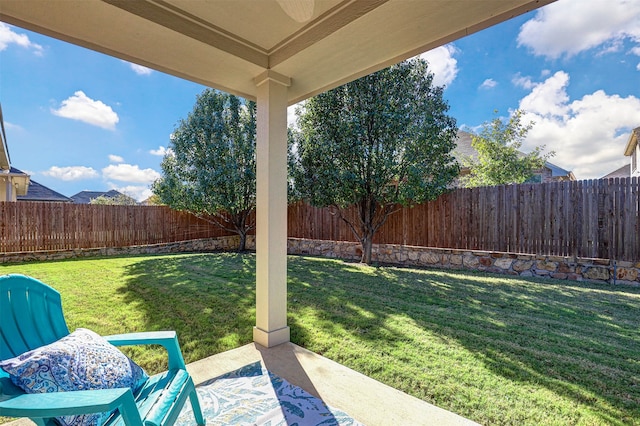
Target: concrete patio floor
363	398
366	400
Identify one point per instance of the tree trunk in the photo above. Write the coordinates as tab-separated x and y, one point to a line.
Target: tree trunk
367	244
243	242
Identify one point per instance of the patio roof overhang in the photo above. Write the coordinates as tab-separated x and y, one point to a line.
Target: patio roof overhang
225	44
277	52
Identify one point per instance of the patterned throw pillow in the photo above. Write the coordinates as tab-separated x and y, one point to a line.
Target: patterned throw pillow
82	360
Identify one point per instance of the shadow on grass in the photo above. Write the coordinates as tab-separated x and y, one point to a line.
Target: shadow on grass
578	341
209	299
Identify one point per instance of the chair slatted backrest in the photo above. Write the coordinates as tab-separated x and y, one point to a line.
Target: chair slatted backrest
30	315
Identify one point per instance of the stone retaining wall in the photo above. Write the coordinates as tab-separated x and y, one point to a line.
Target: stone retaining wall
524	265
191	246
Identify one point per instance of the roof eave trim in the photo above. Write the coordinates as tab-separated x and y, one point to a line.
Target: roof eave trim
633	141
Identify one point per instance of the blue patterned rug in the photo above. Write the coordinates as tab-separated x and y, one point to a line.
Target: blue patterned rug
252	395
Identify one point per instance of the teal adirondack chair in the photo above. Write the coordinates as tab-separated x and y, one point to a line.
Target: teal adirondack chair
31	316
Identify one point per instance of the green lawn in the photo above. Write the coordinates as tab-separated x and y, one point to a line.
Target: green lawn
496	349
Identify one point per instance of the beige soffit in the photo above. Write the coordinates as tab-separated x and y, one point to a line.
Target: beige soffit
21	182
225	44
633	142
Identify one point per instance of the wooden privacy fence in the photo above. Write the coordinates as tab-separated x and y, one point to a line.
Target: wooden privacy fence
591	218
29	226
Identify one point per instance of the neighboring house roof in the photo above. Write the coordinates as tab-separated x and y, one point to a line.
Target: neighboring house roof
39	192
557	170
630	150
85	197
464	150
622	172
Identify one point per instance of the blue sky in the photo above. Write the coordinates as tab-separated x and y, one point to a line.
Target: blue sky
79	120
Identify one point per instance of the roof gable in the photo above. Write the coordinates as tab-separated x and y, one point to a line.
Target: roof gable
633	142
556	170
464	150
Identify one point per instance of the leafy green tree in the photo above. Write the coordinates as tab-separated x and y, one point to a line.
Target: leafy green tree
500	160
153	200
372	145
118	200
211	169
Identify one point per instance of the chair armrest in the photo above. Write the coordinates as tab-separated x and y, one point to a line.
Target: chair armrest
56	404
168	339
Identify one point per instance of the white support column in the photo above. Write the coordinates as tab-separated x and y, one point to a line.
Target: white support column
271	209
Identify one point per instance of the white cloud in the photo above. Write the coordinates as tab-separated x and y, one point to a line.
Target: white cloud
568	27
140	70
82	108
8	37
442	64
129	173
613	46
549	97
525	82
489	83
71	173
588	135
116	158
291	116
139	193
161	151
14	127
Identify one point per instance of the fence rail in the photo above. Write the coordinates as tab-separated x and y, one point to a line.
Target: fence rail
29	226
592	218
